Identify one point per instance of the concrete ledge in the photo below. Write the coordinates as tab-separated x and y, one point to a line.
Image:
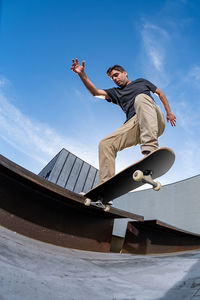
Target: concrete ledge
154	236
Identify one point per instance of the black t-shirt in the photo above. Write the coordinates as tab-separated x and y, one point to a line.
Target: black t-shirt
125	96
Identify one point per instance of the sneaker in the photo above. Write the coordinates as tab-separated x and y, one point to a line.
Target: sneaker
110	203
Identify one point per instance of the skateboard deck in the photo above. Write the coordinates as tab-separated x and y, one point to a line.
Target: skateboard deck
144	171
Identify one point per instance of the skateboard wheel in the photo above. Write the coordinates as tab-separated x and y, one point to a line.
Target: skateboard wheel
138	175
107	208
87	202
158	186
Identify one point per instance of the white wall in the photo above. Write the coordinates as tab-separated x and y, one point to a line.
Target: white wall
177	204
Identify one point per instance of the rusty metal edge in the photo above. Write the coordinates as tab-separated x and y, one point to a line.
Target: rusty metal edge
155	236
66	196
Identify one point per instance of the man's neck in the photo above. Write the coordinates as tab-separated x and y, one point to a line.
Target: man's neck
128	82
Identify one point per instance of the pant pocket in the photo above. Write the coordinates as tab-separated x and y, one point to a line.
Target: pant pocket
161	121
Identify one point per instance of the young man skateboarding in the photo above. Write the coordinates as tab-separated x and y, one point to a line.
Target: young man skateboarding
144	120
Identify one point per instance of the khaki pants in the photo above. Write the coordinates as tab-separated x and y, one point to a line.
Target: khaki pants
144	128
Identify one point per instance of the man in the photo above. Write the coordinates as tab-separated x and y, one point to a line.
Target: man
144	120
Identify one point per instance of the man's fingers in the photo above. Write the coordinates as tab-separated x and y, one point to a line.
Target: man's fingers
173	123
172	119
76	65
75	61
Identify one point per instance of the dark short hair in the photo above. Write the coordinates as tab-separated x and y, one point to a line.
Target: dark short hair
115	67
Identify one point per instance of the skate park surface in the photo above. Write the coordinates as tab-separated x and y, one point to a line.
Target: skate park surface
32	269
44	256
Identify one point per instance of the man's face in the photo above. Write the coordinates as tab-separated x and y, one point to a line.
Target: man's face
120	78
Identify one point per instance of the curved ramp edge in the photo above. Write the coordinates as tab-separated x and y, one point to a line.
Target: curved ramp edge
37	208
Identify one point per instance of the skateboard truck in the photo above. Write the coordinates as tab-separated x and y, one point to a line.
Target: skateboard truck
99	204
146	177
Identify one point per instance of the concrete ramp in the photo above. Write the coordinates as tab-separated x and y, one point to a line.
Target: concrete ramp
32	270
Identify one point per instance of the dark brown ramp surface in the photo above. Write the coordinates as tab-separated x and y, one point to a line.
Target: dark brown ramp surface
37	208
154	236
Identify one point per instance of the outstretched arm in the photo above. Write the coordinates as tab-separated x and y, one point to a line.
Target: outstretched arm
80	70
170	116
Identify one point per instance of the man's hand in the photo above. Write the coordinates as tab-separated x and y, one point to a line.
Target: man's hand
172	119
77	68
170	116
80	70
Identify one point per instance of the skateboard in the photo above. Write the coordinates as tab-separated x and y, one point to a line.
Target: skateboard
144	171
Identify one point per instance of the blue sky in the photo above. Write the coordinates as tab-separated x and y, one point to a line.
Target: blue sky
44	106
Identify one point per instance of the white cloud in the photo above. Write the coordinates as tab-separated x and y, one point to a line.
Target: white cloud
3	81
154	39
37	140
156	57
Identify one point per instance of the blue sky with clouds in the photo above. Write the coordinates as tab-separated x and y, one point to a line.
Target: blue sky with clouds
44	106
